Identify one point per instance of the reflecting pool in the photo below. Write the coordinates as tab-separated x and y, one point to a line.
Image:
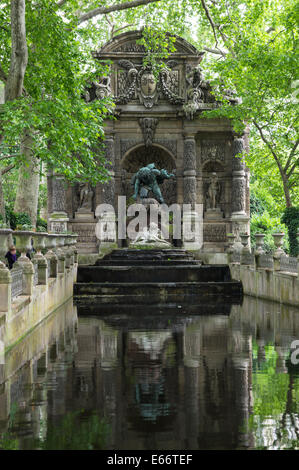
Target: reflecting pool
161	381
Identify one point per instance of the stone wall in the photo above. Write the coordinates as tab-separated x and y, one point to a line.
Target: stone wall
267	284
33	289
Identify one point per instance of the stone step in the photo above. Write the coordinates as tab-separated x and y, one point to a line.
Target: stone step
128	314
155	292
130	254
156	274
147	262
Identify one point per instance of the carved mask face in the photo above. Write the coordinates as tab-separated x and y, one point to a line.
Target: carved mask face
148	84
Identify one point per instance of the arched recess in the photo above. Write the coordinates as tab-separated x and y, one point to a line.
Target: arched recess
140	156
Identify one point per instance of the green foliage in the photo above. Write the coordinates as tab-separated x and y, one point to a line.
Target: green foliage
66	129
76	431
264	223
41	224
158	45
291	220
15	220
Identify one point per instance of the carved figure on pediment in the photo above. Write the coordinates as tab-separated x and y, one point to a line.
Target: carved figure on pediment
198	91
147	87
98	90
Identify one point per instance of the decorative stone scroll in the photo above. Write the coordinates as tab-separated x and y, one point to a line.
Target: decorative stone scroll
212	151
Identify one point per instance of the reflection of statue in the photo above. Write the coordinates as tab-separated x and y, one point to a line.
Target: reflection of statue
86	195
213	191
148	179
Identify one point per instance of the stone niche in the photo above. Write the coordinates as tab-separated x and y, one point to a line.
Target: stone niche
159	121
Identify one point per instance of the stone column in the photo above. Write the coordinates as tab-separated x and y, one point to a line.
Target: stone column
108	190
190	170
240	219
191	219
58	219
108	193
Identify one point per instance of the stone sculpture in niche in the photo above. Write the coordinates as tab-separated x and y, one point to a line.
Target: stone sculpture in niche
148	179
85	197
212	198
213	191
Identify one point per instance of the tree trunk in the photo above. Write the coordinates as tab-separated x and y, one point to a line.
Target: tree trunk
286	190
2	203
28	182
19	52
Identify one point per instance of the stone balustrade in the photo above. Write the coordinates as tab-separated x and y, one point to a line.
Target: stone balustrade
273	276
49	254
37	284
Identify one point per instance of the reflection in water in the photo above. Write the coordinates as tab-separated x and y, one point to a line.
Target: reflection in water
158	382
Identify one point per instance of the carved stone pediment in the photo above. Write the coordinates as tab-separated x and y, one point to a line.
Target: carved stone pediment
180	83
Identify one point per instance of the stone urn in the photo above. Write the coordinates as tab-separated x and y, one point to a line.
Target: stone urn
278	242
50	241
259	241
39	241
23	243
244	240
5	235
74	237
231	238
60	240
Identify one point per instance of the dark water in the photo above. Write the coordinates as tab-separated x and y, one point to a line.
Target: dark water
184	382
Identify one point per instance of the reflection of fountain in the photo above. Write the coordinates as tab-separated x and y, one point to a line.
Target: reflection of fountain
151	342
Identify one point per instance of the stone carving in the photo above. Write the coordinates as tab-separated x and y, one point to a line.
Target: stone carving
238	163
148	126
109	192
151	236
211	150
190	190
169	83
85	197
238	195
214	232
147	87
148	179
198	91
126	144
58	194
189	154
86	233
130	47
213	192
144	85
109	150
169	144
129	80
98	90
